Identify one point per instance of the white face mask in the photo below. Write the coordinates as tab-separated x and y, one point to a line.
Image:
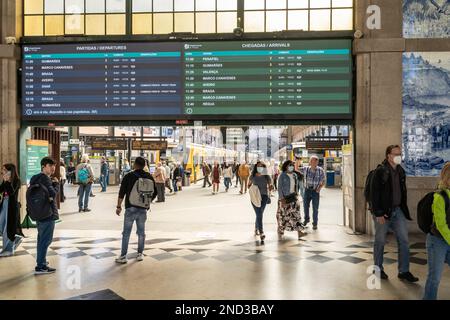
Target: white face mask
290	169
398	160
260	169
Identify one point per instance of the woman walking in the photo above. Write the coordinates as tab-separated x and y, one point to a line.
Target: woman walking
63	179
438	240
216	173
227	176
10	228
288	213
262	180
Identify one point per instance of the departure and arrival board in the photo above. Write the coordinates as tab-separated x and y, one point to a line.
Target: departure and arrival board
114	81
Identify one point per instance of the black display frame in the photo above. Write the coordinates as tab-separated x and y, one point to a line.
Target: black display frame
171	120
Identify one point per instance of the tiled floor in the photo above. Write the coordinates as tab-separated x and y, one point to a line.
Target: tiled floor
207	253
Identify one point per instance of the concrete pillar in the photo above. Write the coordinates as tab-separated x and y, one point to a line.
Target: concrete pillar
9	111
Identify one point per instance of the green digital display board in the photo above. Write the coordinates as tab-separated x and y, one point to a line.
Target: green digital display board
268	77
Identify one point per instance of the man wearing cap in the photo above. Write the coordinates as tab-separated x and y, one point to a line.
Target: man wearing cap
314	180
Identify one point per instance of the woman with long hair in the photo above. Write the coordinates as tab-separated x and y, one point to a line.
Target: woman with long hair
288	213
10	227
262	180
438	239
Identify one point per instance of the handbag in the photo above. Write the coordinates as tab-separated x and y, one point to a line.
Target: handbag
290	198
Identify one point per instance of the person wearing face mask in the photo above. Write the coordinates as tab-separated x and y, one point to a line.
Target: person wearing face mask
314	180
390	211
262	180
288	213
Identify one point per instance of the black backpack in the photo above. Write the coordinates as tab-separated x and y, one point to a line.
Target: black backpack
425	212
38	202
368	185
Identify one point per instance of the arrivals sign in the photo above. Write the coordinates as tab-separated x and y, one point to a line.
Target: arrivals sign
36	150
148	145
179	80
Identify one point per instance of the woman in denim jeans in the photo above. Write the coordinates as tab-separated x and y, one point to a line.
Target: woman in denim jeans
262	180
10	228
438	240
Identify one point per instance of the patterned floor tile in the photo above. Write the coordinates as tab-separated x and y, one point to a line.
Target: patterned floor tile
319	258
102	255
225	257
97	241
154	241
195	257
418	261
287	258
73	254
203	242
257	257
354	260
163	256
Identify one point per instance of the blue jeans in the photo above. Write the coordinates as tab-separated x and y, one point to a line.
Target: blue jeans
259	213
140	216
438	251
397	223
83	195
103	182
45	230
174	184
227	182
8	245
314	196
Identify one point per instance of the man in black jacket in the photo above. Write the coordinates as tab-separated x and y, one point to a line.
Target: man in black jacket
390	211
46	227
133	213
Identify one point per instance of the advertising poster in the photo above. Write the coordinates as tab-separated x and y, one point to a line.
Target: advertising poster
36	150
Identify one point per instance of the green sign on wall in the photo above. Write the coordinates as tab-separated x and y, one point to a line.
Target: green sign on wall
36	150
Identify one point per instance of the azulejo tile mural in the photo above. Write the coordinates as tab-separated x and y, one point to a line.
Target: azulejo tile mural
426	18
426	112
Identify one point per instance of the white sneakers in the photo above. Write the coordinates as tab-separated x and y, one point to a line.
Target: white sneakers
5	254
123	259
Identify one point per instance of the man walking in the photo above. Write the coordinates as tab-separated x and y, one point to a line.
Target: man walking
104	174
137	202
85	178
390	211
314	178
160	180
206	172
167	172
244	173
46	226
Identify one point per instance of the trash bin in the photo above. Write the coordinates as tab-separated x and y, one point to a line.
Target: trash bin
330	178
187	178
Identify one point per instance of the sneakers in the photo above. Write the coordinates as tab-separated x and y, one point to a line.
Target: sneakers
80	210
263	236
301	234
256	232
87	210
122	260
140	257
44	270
383	275
408	277
5	254
17	243
315	227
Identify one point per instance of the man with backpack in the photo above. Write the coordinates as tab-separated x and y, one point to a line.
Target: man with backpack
387	199
85	179
104	172
138	188
41	207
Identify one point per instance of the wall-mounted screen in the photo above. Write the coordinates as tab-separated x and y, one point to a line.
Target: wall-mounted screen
168	80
